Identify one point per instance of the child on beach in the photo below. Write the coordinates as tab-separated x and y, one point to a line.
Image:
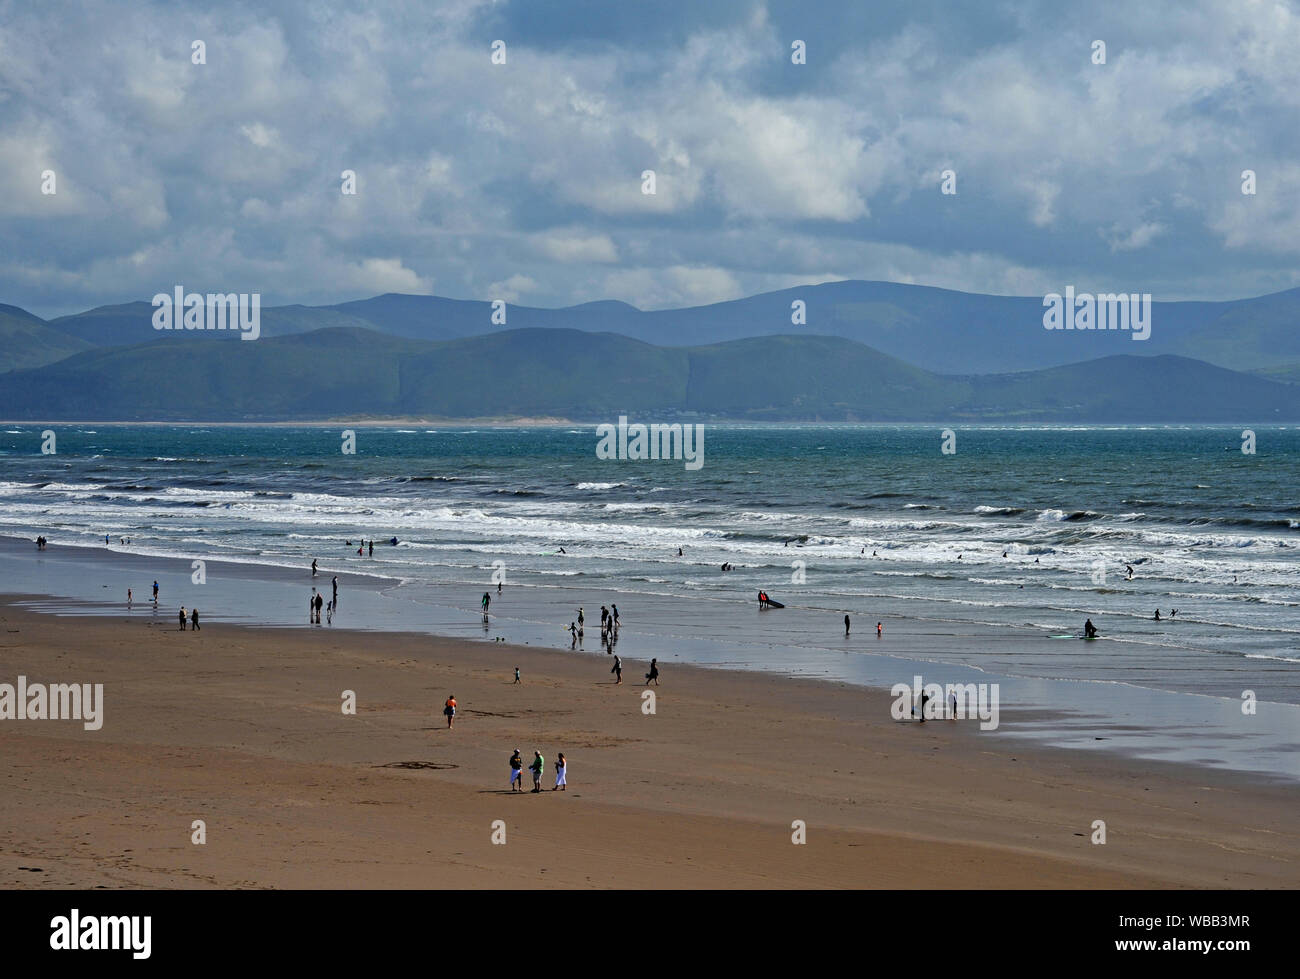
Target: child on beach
538	766
516	772
449	708
561	768
517	680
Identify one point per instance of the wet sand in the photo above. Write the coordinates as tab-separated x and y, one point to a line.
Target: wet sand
241	727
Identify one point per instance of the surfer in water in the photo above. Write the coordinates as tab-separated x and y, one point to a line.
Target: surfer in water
1089	630
846	625
1129	569
1156	617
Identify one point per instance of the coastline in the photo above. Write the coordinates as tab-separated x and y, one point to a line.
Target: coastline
241	727
1088	717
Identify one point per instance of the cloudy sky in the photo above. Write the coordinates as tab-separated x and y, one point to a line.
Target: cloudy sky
523	181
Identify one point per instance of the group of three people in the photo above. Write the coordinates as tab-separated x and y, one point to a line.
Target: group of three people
537	767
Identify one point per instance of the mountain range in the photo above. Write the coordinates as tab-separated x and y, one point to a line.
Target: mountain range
869	351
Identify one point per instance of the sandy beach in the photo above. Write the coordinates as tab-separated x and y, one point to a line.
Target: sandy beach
242	728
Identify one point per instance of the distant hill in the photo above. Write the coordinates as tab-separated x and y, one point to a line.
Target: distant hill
28	341
936	329
347	372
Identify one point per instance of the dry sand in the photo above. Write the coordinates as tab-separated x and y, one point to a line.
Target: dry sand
242	728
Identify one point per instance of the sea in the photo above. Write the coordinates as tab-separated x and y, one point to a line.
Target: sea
980	550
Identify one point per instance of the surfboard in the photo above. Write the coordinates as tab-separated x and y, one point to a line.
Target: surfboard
772	604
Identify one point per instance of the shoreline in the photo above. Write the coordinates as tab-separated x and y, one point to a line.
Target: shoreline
242	728
1086	717
1106	716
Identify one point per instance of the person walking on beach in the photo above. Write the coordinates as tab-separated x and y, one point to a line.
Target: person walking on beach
580	619
516	772
561	774
449	708
155	592
319	604
617	670
335	585
517	680
653	674
604	616
846	624
194	619
538	766
182	618
615	614
313	567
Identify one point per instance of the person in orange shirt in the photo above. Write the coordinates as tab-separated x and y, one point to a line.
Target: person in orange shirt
449	709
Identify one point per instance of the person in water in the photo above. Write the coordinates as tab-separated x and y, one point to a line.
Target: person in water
1157	615
1089	630
846	625
313	567
879	630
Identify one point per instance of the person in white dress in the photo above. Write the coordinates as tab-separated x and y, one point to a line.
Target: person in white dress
561	772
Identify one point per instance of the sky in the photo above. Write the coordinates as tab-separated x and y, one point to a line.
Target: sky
523	181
